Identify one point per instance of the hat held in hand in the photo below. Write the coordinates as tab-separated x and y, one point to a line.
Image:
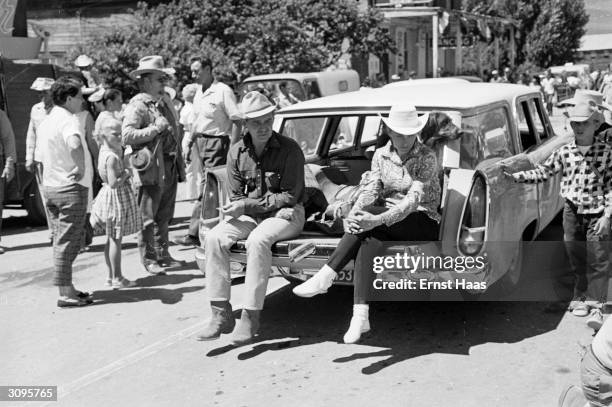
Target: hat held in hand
255	104
42	84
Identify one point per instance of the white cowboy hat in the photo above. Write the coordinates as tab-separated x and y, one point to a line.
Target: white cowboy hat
405	120
582	112
150	64
583	95
97	96
83	60
42	84
254	105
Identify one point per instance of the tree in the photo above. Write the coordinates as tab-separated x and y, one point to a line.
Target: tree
558	30
548	31
249	36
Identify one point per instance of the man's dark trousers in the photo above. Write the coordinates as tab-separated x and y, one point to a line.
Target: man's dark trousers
157	207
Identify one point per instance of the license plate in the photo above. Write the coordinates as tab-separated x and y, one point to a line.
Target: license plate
344	276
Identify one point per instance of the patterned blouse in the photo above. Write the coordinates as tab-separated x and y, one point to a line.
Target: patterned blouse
414	182
586	179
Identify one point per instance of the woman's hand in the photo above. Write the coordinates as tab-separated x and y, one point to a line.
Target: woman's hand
364	220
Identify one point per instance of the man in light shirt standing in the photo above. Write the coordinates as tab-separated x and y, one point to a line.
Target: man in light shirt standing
66	184
216	125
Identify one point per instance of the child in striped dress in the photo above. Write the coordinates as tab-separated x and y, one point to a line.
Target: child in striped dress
114	210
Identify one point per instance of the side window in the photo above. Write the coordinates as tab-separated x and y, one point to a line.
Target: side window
371	129
485	135
311	89
541	119
526	125
344	135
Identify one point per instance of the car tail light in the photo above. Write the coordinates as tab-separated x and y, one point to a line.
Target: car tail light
474	221
210	197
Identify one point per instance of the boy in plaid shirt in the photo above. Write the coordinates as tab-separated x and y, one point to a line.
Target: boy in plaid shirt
586	185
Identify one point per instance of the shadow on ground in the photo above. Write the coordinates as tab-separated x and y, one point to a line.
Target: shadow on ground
404	329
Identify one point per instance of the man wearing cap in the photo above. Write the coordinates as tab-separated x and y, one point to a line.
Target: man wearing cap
90	78
152	133
216	125
586	185
495	77
266	182
37	114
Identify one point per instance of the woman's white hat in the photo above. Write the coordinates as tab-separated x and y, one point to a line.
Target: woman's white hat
97	96
150	64
42	84
83	60
255	104
404	119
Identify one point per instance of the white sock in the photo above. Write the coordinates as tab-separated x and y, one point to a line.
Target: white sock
327	270
361	310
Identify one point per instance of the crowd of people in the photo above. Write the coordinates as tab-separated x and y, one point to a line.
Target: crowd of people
115	172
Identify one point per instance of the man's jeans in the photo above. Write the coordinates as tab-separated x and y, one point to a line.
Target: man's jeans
588	254
260	238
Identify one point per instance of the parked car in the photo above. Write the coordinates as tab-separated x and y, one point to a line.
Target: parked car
304	86
483	212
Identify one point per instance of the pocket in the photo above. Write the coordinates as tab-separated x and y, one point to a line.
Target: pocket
272	180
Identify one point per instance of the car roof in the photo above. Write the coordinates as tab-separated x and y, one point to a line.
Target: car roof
423	81
301	75
456	96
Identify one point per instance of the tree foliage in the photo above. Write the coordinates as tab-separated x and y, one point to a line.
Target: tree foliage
249	36
548	31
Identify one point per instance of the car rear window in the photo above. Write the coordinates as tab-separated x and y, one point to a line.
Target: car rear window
486	135
306	131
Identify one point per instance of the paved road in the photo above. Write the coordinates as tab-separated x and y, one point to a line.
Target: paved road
136	346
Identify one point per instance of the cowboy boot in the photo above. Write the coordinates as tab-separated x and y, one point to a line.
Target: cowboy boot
247	327
317	284
221	321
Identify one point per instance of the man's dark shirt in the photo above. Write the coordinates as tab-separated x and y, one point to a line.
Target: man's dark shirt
270	182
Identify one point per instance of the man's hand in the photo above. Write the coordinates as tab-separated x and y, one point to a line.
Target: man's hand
8	173
284	213
365	221
161	123
234	209
602	227
506	171
29	166
76	174
187	155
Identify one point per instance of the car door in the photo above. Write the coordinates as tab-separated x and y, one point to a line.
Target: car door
532	119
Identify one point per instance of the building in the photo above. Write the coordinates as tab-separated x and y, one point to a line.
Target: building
595	50
436	37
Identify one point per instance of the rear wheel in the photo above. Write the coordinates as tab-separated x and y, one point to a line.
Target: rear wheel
32	201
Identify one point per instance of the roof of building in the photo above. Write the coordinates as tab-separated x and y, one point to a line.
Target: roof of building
455	96
596	42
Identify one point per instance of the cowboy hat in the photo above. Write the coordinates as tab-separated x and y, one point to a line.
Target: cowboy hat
83	60
582	112
254	105
583	95
150	64
404	119
42	84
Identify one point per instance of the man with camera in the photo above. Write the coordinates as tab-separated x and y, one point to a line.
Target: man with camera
152	133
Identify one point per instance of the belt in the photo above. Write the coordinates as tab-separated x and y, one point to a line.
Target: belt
203	135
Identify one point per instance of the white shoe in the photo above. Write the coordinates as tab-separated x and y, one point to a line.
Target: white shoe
595	320
360	323
358	326
317	284
123	283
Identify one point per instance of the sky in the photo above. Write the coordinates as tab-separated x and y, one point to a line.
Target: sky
600	16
